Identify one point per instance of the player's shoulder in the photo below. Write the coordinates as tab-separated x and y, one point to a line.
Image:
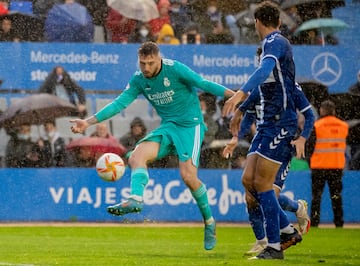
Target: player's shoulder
276	37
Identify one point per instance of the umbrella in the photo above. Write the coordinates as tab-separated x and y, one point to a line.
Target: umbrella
97	144
144	10
329	3
36	109
69	23
326	26
29	27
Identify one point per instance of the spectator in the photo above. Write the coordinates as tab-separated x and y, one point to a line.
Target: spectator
137	132
59	83
179	17
166	36
164	17
102	131
119	27
192	35
327	146
142	33
21	151
209	155
7	33
83	157
53	146
98	9
212	24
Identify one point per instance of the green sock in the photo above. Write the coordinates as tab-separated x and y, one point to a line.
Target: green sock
139	180
202	201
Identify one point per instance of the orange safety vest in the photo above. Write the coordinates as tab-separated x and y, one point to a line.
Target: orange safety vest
329	152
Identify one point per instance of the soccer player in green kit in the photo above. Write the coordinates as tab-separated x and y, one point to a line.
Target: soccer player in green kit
170	87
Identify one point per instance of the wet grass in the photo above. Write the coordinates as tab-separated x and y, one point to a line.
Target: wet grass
149	245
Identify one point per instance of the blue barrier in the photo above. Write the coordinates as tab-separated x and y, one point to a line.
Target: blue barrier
78	194
109	66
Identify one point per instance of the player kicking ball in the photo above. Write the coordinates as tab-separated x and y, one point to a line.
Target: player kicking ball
170	87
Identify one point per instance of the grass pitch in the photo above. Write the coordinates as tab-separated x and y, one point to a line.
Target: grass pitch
163	245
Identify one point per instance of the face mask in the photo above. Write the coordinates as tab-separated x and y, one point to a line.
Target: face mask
167	39
175	9
50	134
23	136
143	32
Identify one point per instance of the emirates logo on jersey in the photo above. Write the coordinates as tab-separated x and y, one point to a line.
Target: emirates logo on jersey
166	82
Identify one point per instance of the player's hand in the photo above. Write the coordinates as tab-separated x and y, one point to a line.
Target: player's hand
232	102
79	125
230	147
299	144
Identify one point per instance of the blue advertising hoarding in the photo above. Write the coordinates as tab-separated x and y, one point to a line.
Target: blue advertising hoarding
109	66
78	194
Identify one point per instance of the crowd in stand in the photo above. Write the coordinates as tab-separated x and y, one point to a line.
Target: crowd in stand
178	22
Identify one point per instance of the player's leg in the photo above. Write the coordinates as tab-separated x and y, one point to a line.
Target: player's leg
266	171
256	219
144	152
198	190
289	236
300	208
187	142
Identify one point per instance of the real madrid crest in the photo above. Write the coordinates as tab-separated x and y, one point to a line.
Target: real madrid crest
166	82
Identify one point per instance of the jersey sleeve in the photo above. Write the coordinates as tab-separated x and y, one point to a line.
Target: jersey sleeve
121	102
260	74
193	79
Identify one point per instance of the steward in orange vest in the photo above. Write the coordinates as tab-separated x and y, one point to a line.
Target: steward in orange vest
327	146
329	152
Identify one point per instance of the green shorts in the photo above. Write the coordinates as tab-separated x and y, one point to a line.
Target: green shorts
185	142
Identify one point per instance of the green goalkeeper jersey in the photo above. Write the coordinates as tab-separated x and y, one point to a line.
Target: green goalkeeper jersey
172	93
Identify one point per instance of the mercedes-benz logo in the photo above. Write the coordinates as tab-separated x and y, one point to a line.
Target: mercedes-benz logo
326	68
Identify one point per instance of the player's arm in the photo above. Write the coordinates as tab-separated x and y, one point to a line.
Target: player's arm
121	102
195	80
256	79
299	143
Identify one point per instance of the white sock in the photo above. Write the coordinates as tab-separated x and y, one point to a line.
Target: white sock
136	197
288	229
275	246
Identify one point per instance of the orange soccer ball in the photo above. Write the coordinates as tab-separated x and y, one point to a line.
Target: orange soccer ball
110	167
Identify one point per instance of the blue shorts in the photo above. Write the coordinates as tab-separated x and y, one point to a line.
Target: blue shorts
185	142
275	146
283	172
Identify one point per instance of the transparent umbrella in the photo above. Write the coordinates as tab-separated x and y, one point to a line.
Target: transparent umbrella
143	10
326	26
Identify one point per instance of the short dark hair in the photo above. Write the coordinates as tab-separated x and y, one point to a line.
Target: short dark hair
148	48
328	107
268	13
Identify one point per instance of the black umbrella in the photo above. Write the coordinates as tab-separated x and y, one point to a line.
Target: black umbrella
35	110
28	27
